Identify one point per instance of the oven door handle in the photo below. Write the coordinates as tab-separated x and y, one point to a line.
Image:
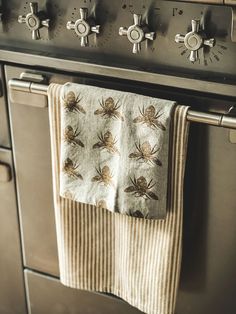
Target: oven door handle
38	89
28	93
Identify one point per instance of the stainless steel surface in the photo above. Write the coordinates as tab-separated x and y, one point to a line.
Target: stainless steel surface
12	294
232	136
233	24
165	18
207	118
195	40
41	89
28	93
222	88
28	86
220	2
208	275
5	173
4	127
31	145
83	27
48	295
163	70
32	77
228	122
34	20
1	15
230	2
137	33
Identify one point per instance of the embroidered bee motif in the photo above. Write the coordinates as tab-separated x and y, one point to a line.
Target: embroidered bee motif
109	109
71	103
146	153
137	214
104	176
150	117
140	188
71	136
70	168
108	142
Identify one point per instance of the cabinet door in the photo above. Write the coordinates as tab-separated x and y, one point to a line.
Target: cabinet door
31	146
12	295
48	295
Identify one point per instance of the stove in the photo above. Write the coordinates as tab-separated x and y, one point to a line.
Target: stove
178	38
178	50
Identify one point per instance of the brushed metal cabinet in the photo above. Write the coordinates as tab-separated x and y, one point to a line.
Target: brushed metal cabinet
32	157
12	293
208	278
31	146
4	127
48	295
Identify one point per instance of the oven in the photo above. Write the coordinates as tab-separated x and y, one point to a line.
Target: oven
164	65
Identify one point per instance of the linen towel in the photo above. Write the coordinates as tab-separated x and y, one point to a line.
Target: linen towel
114	152
135	259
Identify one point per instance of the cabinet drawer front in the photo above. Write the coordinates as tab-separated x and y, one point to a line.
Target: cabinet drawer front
12	295
48	295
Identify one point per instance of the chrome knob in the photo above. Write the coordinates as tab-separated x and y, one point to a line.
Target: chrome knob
83	27
195	40
34	20
137	33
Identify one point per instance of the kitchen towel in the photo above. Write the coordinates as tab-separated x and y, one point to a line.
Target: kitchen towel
114	150
135	259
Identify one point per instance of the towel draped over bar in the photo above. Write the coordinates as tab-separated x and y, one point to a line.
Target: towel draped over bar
215	119
135	259
115	150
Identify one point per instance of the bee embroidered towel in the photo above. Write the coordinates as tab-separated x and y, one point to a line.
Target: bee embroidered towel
136	259
114	150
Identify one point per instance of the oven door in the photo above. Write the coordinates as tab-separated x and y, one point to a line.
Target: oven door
208	268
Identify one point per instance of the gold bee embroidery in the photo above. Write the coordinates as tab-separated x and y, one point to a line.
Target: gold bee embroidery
149	116
71	136
107	142
146	153
101	204
141	188
71	103
109	109
104	176
70	168
138	214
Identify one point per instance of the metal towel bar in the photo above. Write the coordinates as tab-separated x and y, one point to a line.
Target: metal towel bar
219	120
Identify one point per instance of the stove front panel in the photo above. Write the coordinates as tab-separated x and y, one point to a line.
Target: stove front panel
190	39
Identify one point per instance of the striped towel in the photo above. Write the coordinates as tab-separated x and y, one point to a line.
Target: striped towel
135	259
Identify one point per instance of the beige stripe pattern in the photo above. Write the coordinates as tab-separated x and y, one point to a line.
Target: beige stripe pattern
135	259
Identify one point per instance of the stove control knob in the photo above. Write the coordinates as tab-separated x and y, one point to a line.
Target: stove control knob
83	27
137	33
195	40
34	20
